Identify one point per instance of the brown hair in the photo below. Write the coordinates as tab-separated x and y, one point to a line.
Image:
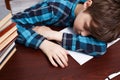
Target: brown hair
106	15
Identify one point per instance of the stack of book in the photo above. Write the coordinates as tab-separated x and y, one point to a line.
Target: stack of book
8	34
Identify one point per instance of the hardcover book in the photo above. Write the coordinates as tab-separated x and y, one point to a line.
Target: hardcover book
8	40
4	26
7	52
7	32
7	58
5	20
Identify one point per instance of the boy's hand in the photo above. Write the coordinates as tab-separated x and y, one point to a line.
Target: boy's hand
55	53
48	33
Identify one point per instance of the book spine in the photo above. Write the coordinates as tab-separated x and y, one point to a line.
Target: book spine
7	58
5	48
6	25
7	52
7	29
8	40
4	20
7	34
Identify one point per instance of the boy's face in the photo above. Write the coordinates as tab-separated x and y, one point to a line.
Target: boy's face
82	20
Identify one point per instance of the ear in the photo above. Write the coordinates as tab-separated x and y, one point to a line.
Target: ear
87	4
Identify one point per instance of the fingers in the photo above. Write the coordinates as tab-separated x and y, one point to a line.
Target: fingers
62	60
59	59
65	53
56	54
53	62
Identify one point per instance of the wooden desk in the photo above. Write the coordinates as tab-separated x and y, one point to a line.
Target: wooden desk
31	64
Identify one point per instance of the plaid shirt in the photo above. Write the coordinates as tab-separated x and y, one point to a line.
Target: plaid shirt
55	13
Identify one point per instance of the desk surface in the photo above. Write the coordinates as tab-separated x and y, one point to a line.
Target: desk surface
31	64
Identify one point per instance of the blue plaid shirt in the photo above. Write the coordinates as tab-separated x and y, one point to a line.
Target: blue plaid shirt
55	13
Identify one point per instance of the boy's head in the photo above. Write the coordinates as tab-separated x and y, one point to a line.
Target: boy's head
101	19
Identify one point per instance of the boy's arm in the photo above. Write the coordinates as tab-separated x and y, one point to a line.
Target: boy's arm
87	45
75	42
29	19
84	44
32	39
28	37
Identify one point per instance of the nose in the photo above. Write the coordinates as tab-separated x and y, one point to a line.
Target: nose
77	31
84	33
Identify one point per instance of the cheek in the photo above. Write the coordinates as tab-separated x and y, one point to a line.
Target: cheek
78	24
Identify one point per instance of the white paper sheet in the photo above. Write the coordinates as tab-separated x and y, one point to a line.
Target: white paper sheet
80	57
111	43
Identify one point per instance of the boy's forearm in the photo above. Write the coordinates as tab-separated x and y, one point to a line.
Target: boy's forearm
87	45
48	33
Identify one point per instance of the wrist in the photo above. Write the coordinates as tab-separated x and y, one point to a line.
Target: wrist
57	36
43	44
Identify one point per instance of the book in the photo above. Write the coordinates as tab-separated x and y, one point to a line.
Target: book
7	58
5	48
5	16
4	26
8	31
7	52
8	40
5	20
8	34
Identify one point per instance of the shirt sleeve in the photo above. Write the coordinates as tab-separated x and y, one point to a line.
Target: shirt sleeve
83	1
87	45
28	37
31	17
